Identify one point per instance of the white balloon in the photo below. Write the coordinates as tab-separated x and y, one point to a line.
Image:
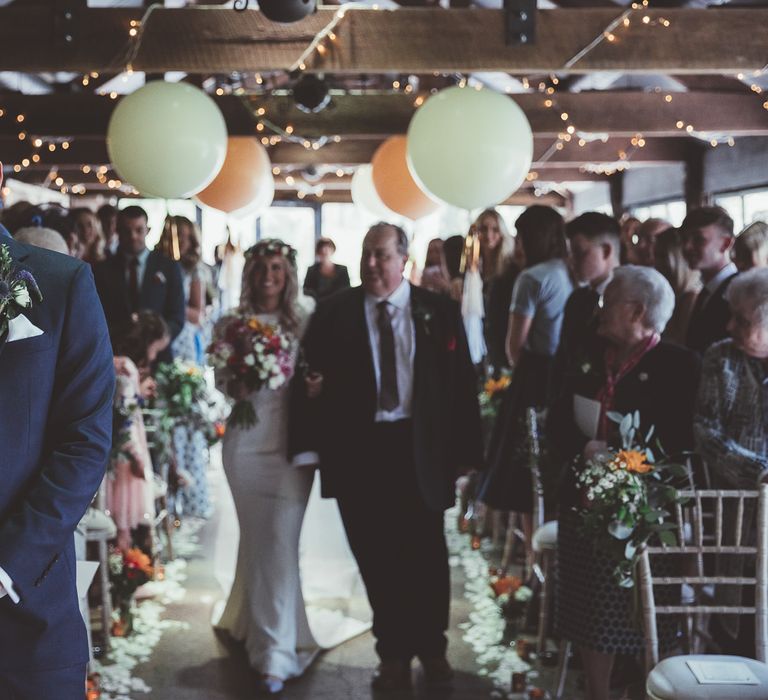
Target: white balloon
364	194
167	139
470	148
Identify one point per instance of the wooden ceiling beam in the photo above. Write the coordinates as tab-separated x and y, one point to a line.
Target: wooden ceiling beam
220	40
353	152
616	113
522	198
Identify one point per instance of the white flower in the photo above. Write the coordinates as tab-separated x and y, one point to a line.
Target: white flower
21	296
249	360
523	594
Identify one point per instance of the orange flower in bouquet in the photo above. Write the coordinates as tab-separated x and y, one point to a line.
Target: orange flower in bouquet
633	461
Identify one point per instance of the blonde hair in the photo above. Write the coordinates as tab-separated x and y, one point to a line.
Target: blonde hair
753	240
503	254
670	262
293	312
169	245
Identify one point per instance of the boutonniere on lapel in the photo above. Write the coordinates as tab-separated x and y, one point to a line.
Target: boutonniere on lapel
159	277
423	317
643	376
18	289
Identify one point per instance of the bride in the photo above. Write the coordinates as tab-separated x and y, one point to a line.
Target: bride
266	608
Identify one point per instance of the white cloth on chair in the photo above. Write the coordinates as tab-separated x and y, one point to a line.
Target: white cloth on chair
545	537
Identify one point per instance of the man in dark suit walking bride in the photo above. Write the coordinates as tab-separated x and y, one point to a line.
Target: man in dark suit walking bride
394	421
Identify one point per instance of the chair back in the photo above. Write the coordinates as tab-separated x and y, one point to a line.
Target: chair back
534	452
698	535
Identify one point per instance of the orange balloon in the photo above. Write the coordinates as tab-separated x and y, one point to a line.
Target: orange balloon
245	171
393	181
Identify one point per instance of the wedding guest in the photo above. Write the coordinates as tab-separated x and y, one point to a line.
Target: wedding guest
130	488
136	279
265	608
670	262
435	276
594	248
707	240
395	419
499	272
181	240
325	277
731	409
453	249
641	253
535	318
107	214
731	435
750	249
628	370
629	226
89	234
42	238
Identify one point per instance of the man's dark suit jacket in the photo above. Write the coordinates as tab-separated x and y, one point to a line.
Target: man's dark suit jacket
55	430
578	331
339	425
707	325
161	291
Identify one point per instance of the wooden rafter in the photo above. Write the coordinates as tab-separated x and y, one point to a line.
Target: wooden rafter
379	115
220	40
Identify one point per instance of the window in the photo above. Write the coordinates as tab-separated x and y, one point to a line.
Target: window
672	211
744	207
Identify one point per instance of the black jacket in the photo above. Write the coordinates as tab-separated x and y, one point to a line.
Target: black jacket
662	387
319	287
708	324
339	423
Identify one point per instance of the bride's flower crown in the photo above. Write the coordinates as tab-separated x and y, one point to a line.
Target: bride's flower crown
272	246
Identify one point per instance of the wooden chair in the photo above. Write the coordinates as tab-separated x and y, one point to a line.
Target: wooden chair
672	678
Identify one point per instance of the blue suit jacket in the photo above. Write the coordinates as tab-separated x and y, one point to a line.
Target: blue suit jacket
55	431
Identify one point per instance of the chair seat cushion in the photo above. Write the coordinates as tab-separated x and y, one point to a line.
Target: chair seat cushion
545	537
671	679
98	525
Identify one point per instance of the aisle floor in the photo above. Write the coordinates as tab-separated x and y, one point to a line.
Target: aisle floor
194	664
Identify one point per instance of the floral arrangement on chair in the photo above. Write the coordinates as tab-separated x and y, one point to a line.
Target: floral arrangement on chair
626	495
255	353
183	396
127	571
511	594
490	396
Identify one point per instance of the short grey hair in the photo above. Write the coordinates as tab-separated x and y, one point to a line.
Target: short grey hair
42	238
749	291
402	236
648	287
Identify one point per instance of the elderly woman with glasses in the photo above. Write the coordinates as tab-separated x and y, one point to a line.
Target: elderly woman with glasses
626	368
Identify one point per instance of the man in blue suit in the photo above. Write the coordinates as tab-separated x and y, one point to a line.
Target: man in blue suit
56	387
135	279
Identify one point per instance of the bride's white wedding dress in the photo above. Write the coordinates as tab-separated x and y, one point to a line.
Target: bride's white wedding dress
266	609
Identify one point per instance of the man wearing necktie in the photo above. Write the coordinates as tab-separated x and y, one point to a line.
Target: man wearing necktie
395	421
135	279
57	382
707	242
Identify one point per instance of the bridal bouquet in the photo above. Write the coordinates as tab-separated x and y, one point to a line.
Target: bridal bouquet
255	353
625	497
